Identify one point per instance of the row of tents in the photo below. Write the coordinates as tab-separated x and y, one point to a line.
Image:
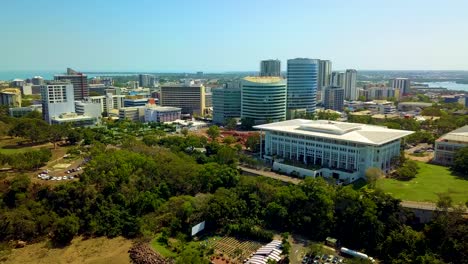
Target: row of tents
271	250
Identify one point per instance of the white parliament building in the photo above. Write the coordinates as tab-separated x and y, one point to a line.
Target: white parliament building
339	150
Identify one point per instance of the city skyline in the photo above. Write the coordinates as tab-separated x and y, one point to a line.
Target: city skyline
212	36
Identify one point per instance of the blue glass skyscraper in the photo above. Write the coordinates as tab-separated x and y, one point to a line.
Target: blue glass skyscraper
302	83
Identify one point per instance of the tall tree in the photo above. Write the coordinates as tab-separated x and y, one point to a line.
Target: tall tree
213	132
460	161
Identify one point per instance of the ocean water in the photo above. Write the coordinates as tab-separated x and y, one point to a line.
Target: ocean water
10	75
448	85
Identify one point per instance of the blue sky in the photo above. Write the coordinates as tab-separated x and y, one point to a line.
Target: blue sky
228	35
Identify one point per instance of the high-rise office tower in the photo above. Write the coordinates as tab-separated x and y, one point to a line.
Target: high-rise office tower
79	82
333	98
325	69
350	88
402	84
302	82
263	99
146	80
270	68
337	79
57	98
226	102
189	96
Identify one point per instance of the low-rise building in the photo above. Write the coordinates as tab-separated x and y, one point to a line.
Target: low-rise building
22	111
75	119
448	144
88	109
136	114
339	150
135	102
412	106
154	113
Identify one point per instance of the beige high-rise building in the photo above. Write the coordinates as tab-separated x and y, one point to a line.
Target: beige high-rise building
270	68
350	88
325	70
189	97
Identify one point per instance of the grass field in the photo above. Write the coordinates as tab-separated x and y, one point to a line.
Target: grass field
9	146
162	249
431	180
91	251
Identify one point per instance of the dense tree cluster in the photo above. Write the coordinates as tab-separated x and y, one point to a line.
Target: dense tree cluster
460	162
406	170
143	190
26	160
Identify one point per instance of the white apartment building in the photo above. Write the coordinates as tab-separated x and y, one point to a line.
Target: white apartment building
107	102
339	150
57	98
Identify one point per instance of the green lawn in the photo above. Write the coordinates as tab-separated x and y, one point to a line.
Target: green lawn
13	151
9	146
162	249
431	180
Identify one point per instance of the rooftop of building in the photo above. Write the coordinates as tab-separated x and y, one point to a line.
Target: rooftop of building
71	117
129	99
172	85
163	108
11	91
459	135
415	104
351	132
329	111
361	113
57	82
385	116
263	79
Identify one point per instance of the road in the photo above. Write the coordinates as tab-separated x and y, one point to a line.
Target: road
270	174
419	205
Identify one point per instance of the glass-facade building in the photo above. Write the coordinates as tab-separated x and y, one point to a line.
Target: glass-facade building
302	84
226	102
263	99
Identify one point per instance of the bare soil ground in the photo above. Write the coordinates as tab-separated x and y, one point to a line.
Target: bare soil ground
90	251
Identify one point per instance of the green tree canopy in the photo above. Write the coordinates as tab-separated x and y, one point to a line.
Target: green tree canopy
460	161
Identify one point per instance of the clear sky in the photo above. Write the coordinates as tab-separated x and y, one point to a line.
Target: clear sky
232	35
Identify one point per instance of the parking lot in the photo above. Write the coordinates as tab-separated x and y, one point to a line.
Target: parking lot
65	174
421	152
324	258
71	174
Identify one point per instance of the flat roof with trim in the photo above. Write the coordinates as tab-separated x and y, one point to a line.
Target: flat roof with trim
352	132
